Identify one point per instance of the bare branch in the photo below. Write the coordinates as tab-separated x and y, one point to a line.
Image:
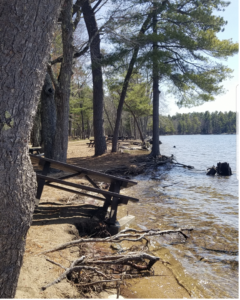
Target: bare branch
100	7
128	259
96	5
55	263
69	270
100	281
121	236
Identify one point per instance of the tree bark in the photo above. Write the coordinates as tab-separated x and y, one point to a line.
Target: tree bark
155	147
109	121
125	86
136	121
26	33
98	98
36	137
48	116
62	87
83	129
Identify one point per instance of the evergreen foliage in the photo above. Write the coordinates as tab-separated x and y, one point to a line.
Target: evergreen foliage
81	110
187	45
199	123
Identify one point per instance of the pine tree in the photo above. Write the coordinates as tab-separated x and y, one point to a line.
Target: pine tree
183	46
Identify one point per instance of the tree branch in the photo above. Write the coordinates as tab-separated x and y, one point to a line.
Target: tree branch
123	260
96	5
77	19
121	236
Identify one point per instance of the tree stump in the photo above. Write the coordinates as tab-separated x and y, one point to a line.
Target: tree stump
224	169
211	171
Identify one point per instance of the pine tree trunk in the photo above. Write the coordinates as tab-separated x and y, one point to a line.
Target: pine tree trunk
36	137
125	87
91	24
83	129
155	147
48	116
136	121
62	93
26	33
70	127
108	119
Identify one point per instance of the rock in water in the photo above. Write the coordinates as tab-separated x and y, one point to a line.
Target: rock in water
224	169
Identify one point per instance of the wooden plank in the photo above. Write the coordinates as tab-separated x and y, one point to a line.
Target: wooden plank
70	168
87	188
91	181
120	201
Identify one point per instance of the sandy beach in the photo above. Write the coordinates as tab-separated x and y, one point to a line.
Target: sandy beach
37	271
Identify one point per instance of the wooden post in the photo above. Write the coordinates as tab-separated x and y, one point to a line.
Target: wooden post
41	182
114	206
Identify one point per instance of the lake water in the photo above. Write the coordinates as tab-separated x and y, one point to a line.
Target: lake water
176	197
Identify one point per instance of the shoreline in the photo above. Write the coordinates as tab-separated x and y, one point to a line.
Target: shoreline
36	271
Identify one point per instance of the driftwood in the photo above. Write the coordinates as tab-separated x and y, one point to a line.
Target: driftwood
94	271
67	271
211	171
124	235
164	161
182	165
83	264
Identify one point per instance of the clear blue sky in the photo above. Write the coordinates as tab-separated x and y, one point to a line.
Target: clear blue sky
227	101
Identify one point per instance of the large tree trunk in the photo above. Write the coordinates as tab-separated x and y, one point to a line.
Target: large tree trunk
155	147
62	92
36	137
48	116
91	24
26	32
125	86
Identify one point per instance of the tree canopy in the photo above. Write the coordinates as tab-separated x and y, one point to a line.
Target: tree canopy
189	53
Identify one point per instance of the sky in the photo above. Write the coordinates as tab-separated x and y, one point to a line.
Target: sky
227	101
